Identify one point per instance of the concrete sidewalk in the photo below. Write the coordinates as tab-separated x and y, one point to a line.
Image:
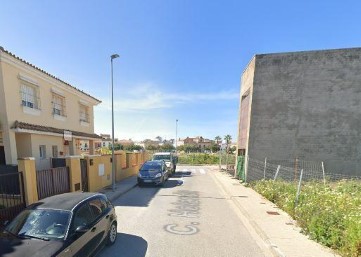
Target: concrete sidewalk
121	187
275	227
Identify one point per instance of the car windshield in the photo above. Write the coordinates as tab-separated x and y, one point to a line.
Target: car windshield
42	224
161	157
151	166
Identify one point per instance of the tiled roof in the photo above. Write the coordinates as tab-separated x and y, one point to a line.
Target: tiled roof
37	68
27	126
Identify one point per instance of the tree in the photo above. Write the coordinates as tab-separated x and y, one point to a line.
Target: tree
116	147
133	147
228	140
152	147
180	148
232	149
167	147
191	148
218	139
159	138
215	147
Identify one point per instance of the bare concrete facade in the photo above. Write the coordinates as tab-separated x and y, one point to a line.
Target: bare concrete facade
304	105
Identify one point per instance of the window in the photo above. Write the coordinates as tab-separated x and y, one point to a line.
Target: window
42	150
55	151
58	105
82	217
36	222
84	113
29	97
97	207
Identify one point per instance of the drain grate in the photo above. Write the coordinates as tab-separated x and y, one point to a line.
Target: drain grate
272	213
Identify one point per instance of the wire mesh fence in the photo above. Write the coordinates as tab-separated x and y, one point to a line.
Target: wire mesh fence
290	170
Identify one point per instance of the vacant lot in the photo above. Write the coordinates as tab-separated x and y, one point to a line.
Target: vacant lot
329	214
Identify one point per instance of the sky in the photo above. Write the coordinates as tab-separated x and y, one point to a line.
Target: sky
179	59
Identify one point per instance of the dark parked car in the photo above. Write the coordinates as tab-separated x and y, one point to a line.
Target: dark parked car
153	172
71	224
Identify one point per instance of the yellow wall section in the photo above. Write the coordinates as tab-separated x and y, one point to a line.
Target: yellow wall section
96	180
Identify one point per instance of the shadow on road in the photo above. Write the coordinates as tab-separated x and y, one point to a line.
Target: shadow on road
142	196
126	246
180	174
173	183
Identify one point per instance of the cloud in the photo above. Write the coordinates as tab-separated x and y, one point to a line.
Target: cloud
149	96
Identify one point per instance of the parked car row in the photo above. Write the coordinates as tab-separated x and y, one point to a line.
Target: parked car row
158	170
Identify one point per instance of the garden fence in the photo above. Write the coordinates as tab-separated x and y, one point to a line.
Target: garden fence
290	170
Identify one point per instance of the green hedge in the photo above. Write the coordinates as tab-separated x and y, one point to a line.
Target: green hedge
329	214
204	158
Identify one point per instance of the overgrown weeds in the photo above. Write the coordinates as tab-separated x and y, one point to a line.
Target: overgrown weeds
329	214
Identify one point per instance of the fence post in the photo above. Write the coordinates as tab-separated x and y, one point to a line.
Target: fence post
220	160
27	167
73	162
296	168
278	169
299	188
323	173
265	167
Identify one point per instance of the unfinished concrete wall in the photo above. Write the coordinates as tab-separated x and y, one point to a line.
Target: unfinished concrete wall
307	105
245	107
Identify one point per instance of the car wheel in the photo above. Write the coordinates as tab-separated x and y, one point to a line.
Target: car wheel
112	234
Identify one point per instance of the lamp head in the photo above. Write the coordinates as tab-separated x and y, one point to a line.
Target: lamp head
113	56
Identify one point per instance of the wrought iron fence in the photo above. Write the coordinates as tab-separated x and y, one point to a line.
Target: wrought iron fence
12	199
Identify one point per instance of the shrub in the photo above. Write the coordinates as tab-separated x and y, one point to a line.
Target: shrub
329	214
205	158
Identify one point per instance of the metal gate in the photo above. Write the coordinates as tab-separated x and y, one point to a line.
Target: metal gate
52	182
84	174
12	198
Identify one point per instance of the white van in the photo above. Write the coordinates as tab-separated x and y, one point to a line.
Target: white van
169	158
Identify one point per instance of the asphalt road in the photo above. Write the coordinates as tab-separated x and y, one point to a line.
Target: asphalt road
190	216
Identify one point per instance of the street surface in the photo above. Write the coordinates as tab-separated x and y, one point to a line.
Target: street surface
190	216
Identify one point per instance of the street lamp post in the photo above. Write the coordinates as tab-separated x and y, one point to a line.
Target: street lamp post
113	56
176	134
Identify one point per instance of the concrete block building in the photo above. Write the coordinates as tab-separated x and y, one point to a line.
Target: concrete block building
304	105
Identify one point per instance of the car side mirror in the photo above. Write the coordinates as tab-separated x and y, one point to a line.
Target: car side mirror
81	229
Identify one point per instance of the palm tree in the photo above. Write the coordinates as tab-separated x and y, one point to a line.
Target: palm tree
217	139
228	140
